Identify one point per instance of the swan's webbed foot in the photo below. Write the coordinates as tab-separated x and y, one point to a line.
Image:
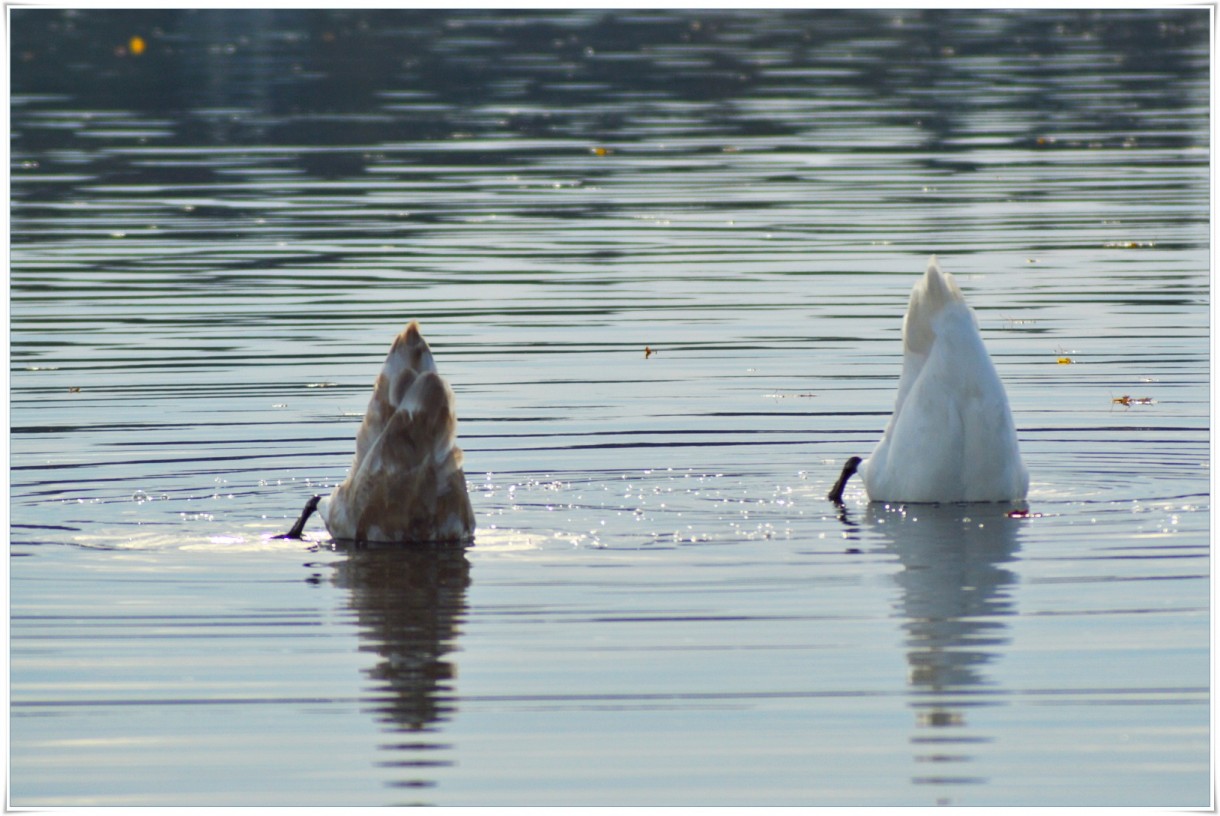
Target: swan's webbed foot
849	468
299	527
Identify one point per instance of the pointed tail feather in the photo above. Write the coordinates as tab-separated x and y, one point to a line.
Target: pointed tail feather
932	293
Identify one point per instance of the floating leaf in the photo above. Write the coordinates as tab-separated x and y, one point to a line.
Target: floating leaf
1128	400
1129	244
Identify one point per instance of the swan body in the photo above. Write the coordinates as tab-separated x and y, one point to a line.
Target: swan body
406	482
951	437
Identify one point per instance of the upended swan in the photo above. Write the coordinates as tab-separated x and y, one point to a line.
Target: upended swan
406	484
951	436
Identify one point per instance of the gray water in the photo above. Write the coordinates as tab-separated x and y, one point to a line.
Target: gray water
218	228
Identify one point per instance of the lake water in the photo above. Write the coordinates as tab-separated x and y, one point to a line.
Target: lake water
221	219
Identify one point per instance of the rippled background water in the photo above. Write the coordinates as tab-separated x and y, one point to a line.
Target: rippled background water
220	219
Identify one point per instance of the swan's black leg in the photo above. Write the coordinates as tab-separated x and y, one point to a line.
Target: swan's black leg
299	527
849	468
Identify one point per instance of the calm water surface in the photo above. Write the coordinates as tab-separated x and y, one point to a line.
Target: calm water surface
221	219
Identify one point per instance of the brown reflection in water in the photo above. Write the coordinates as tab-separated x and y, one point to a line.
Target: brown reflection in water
409	604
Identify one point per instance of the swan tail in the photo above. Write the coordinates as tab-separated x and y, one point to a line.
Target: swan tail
931	295
406	481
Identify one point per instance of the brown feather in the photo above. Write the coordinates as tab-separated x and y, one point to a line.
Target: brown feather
406	483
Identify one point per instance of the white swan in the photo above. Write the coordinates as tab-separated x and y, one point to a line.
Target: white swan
951	437
406	483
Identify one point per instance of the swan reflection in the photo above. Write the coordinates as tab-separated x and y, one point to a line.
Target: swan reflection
410	602
956	595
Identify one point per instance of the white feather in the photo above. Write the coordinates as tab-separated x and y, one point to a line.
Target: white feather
951	437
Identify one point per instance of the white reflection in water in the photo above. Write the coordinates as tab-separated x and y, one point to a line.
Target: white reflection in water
955	597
